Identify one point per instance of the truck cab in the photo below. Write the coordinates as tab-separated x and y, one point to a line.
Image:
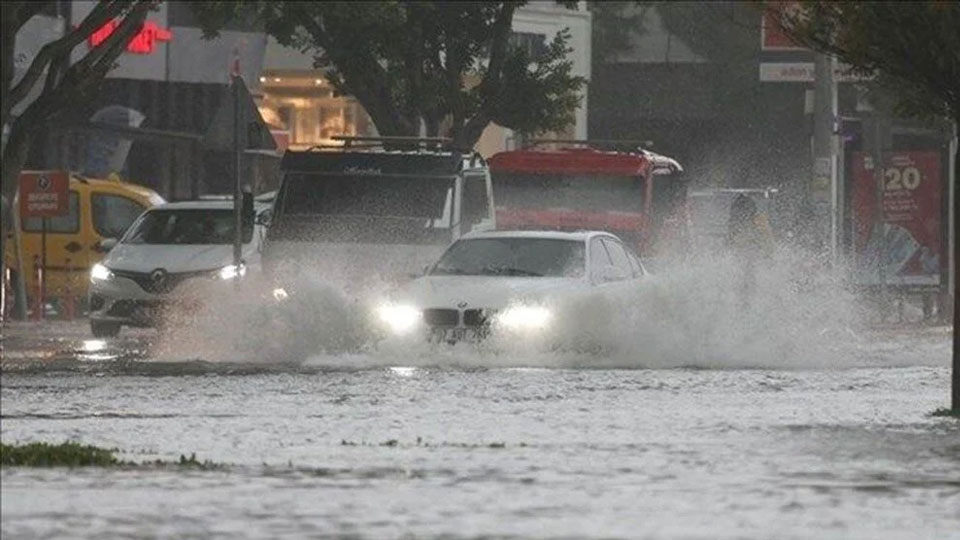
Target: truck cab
375	208
614	186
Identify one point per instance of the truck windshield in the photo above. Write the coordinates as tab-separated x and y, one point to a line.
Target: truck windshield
368	209
528	257
185	226
583	192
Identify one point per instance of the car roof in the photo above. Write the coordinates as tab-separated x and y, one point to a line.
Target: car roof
205	205
579	236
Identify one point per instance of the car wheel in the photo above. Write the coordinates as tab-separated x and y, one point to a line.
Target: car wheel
102	329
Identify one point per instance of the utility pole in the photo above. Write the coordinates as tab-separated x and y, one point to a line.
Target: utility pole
237	163
954	261
824	189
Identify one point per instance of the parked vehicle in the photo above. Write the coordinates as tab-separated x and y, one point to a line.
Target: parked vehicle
508	281
168	260
375	208
99	210
572	185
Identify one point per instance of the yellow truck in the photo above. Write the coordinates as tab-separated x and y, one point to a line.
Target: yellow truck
98	209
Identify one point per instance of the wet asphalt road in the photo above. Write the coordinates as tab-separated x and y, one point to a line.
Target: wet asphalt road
391	445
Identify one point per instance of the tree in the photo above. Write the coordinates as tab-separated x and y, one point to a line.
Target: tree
55	81
912	48
51	72
442	63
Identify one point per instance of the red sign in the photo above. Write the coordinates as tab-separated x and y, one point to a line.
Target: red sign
903	229
772	36
44	194
144	42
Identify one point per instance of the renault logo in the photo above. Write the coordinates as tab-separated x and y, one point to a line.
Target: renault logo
158	275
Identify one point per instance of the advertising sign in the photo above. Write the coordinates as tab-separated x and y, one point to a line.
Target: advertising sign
898	219
44	194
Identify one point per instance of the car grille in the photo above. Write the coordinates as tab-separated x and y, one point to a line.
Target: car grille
166	285
476	317
439	317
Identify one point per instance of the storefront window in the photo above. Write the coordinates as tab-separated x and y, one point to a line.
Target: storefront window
305	106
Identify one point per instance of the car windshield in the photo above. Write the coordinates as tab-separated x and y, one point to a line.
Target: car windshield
531	257
583	192
365	209
187	226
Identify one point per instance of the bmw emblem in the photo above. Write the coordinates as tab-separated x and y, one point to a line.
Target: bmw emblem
158	275
462	305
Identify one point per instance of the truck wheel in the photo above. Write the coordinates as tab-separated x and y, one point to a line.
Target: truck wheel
102	329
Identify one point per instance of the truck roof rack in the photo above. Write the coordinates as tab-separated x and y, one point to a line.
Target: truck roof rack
594	142
350	141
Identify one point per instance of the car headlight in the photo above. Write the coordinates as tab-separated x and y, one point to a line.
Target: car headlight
232	271
401	319
100	272
524	317
280	294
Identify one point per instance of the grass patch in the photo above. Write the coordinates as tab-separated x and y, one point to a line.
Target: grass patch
945	412
72	454
68	454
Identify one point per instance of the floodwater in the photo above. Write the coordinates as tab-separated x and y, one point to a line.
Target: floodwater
399	445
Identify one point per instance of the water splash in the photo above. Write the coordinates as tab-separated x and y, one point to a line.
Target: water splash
694	314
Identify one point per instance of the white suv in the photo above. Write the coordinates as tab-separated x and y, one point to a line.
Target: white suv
171	254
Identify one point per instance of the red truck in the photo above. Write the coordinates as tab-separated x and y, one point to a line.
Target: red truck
573	185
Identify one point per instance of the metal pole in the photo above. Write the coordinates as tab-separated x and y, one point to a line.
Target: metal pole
881	217
955	259
43	268
237	194
824	187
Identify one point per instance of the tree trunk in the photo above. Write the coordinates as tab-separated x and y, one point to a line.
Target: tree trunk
14	156
955	378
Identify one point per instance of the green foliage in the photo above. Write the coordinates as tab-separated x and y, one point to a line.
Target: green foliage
68	454
72	454
912	47
447	63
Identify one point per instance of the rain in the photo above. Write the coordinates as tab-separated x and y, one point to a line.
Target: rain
479	270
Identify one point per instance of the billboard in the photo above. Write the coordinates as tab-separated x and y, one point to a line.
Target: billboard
898	218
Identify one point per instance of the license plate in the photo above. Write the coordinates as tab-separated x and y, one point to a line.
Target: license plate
454	335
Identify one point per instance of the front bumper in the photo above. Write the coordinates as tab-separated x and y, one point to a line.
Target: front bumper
122	300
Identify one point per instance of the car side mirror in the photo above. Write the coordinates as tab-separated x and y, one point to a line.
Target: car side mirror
107	244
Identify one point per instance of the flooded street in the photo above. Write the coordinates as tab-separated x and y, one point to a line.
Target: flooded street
383	449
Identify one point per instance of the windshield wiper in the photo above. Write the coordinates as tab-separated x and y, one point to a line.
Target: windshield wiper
507	271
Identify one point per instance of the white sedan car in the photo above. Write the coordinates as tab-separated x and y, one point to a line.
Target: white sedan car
170	257
509	282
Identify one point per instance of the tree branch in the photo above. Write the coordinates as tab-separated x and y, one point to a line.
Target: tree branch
102	12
